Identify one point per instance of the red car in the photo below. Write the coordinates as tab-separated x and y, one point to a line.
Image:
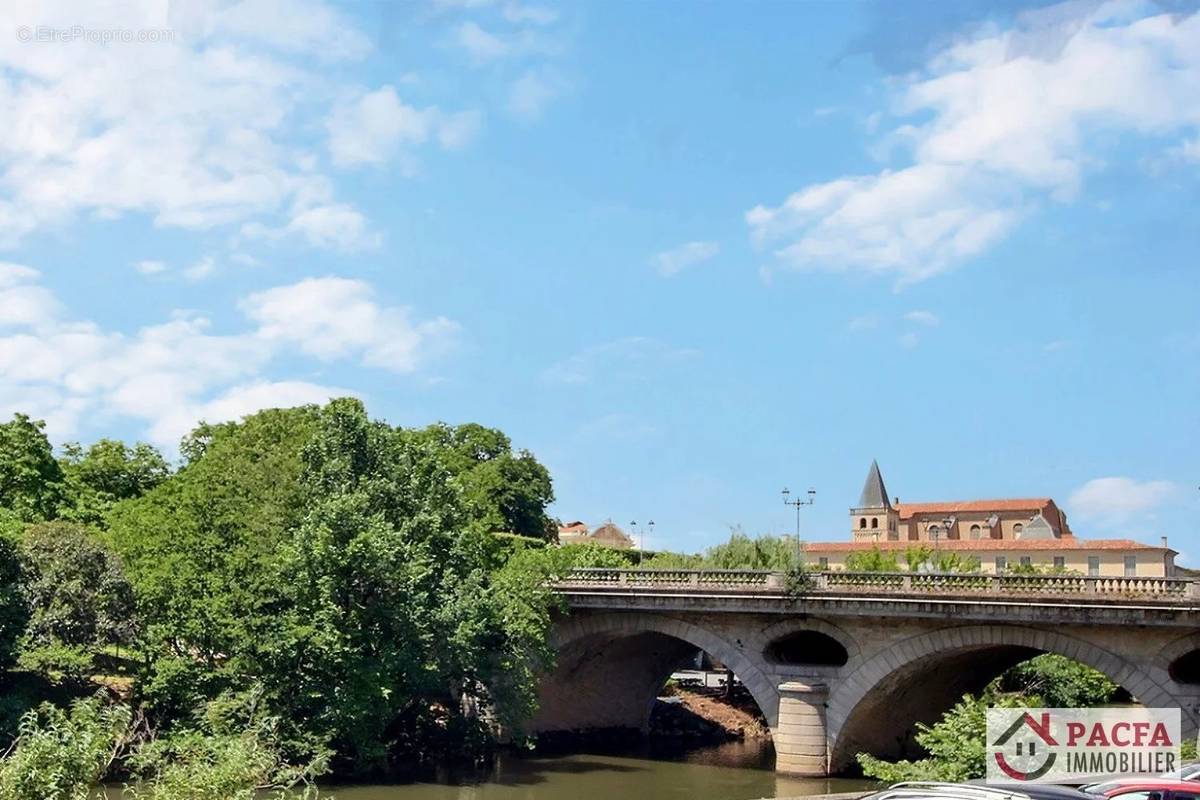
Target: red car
1146	789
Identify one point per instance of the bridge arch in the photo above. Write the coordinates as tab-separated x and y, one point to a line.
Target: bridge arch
1180	659
959	659
611	667
775	634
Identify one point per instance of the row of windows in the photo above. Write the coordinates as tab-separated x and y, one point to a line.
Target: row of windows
1060	563
935	530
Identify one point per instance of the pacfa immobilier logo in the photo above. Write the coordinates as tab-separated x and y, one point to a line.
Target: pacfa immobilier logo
1072	745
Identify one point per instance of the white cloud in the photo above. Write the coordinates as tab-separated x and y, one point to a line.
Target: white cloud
333	318
150	267
537	15
171	374
674	261
1117	499
909	340
202	269
926	318
372	127
863	322
621	359
482	45
239	401
994	124
532	92
337	226
207	128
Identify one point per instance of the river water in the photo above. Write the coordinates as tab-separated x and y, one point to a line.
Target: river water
733	771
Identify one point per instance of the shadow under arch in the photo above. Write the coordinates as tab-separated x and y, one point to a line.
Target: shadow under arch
876	707
610	669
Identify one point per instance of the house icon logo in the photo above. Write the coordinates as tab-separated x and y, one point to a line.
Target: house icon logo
1028	742
1078	745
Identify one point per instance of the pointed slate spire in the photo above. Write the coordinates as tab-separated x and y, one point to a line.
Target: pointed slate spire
874	493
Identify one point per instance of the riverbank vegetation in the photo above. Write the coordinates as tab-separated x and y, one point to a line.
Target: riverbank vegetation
956	743
310	591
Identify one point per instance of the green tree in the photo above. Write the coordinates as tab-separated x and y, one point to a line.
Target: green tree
1059	681
396	625
14	612
939	560
873	560
77	595
202	550
502	490
105	473
31	479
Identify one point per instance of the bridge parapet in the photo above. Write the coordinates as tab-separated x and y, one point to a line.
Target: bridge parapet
835	583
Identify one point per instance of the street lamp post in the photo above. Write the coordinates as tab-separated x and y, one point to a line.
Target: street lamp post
798	503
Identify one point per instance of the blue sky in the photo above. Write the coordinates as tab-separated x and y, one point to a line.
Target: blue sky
687	254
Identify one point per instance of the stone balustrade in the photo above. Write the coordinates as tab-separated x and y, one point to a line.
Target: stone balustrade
766	582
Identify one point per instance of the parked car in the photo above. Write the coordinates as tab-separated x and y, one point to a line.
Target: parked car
1189	771
978	790
1146	789
1040	791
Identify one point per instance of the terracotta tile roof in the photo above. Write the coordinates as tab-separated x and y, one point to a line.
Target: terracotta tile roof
959	506
1066	543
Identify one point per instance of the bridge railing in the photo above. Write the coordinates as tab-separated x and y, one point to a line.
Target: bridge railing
901	583
701	579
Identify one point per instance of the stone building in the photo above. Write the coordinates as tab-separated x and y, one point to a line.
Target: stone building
606	535
1002	534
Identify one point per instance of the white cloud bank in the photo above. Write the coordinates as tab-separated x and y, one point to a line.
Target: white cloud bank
205	127
170	375
994	125
1118	499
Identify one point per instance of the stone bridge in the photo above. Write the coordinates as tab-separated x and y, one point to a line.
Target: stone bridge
843	663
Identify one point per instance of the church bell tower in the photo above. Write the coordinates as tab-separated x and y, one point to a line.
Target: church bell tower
874	519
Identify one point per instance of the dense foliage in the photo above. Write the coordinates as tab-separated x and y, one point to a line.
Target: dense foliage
78	596
63	754
1059	682
14	612
917	558
375	594
740	552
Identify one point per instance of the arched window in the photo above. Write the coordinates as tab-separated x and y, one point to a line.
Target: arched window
862	523
1017	529
934	531
976	532
874	522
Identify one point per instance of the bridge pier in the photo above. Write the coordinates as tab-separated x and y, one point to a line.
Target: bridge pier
800	734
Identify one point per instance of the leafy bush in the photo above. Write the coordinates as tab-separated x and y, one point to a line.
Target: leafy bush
956	744
873	560
740	552
200	765
75	587
57	660
14	611
63	755
1059	682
